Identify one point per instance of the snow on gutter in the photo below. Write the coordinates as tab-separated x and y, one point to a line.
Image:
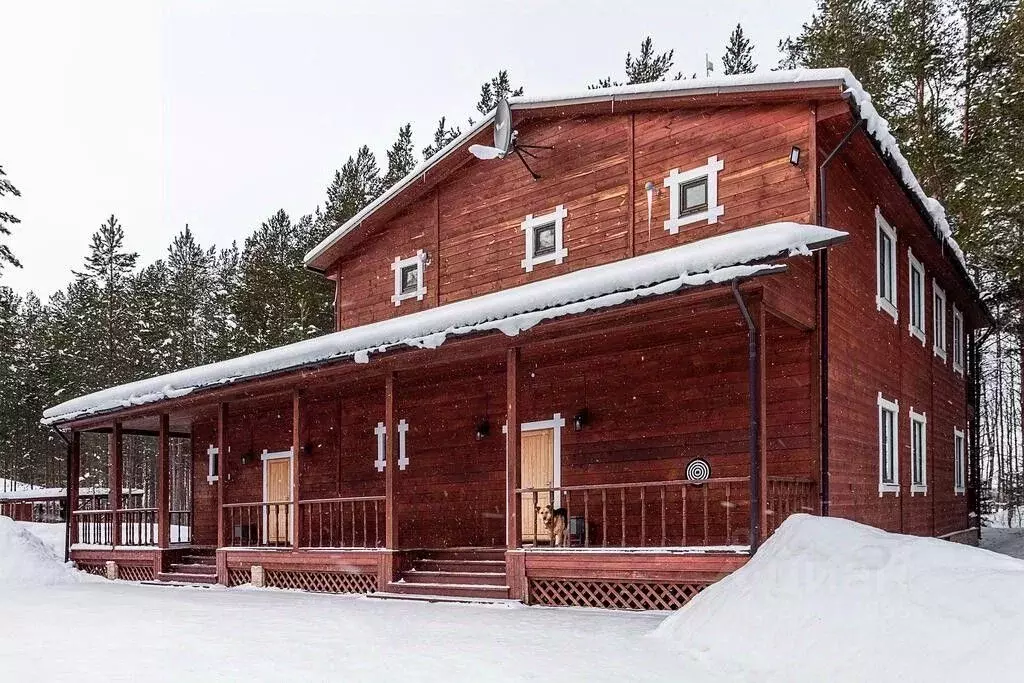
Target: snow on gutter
734	255
876	126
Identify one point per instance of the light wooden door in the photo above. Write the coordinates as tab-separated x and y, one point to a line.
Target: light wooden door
538	471
279	490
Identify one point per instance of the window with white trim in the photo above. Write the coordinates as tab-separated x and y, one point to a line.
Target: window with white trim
918	453
915	275
959	462
544	238
958	341
888	446
693	195
939	320
409	282
213	465
885	248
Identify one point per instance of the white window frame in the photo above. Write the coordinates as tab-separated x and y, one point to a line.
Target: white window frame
938	321
532	222
266	457
677	179
922	486
418	259
212	471
958	341
959	461
916	326
893	407
881	303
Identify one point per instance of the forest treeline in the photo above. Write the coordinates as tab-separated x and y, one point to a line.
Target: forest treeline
948	75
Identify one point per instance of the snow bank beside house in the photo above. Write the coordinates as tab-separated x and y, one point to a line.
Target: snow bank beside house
25	560
833	600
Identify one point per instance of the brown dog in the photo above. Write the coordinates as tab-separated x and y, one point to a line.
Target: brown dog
555	520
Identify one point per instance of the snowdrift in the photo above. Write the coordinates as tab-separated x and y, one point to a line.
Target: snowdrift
25	560
833	600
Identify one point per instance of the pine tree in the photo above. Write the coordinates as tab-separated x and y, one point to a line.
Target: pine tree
401	158
442	136
493	91
738	57
6	220
188	301
353	187
647	67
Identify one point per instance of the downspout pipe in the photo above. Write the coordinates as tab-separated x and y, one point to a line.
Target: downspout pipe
823	324
754	377
67	495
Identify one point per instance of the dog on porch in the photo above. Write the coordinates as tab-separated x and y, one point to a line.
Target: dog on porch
555	521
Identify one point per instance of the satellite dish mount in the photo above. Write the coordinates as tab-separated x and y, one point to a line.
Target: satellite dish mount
506	141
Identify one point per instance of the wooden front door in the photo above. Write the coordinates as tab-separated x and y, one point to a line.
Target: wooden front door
279	490
538	471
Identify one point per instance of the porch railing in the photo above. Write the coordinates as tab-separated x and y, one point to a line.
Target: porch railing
252	525
181	526
94	526
342	522
675	513
138	526
786	496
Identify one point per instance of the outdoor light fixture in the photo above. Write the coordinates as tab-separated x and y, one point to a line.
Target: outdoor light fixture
581	420
794	156
246	457
483	429
307	449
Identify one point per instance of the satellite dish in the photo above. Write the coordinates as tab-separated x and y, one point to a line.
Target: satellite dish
505	140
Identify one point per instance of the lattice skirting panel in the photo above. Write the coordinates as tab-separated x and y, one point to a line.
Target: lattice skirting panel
92	568
239	577
135	572
322	582
636	595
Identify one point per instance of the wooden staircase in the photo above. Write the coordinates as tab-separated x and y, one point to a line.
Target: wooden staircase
197	566
474	573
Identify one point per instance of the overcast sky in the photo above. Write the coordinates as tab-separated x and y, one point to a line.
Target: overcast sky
218	113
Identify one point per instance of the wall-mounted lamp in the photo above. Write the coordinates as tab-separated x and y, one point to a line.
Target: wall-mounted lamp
483	429
247	457
307	449
581	420
794	156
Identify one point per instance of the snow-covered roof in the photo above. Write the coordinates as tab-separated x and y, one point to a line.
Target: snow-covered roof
734	255
32	493
875	125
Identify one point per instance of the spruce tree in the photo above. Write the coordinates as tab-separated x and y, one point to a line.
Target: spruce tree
442	136
353	187
647	67
738	57
7	220
401	158
493	91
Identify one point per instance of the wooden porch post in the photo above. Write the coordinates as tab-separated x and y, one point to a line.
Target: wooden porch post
115	481
513	529
75	451
296	454
390	540
163	488
222	447
762	407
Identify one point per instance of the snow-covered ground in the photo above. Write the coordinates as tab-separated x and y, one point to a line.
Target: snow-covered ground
1006	541
823	600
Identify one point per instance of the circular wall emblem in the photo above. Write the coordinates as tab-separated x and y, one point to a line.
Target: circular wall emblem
698	470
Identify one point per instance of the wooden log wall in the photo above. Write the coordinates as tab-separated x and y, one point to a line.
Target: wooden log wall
871	353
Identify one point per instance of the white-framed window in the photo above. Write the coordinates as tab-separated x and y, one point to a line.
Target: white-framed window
959	462
958	341
409	282
888	446
213	465
544	241
885	248
693	195
917	297
918	453
939	320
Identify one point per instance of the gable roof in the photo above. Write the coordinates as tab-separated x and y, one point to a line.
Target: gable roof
763	82
734	255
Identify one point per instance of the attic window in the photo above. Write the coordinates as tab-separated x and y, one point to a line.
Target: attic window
544	238
693	195
409	282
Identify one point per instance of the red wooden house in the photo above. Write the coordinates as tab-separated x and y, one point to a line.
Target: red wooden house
629	308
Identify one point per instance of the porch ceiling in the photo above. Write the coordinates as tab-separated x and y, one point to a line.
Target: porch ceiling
733	256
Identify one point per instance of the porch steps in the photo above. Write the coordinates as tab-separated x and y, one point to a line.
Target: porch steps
199	567
454	573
